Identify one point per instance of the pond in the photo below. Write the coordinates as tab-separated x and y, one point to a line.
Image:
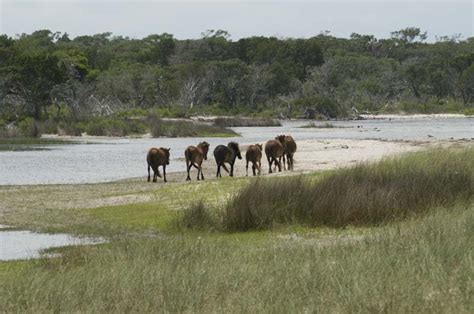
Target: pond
120	158
23	244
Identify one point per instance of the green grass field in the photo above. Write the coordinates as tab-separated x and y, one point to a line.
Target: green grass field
421	261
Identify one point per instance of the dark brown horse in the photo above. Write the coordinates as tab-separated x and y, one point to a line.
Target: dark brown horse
194	157
289	146
226	154
254	155
158	157
274	151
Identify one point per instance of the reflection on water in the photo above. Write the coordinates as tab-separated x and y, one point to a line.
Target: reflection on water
15	245
115	159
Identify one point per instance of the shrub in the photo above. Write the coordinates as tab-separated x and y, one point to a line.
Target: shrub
196	217
245	122
29	128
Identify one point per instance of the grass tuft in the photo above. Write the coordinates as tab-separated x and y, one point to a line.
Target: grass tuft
196	217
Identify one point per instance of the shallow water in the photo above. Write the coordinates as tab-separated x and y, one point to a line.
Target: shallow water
18	245
115	159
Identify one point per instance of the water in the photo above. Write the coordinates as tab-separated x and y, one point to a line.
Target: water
19	245
115	159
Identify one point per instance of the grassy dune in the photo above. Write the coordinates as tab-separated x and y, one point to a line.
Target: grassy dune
420	262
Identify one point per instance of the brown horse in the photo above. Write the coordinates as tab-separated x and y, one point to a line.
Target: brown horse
289	146
195	156
158	157
274	151
226	154
254	155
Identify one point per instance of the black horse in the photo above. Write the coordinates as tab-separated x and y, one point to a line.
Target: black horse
226	154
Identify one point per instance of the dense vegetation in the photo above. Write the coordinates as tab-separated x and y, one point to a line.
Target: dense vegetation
50	77
367	194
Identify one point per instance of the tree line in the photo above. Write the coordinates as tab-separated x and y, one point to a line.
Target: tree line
48	75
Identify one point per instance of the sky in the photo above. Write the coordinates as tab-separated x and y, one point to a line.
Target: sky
188	19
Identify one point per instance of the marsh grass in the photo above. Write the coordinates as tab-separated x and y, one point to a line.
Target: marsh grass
420	265
196	216
367	194
245	122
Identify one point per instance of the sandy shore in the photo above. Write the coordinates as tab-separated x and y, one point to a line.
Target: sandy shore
320	155
412	116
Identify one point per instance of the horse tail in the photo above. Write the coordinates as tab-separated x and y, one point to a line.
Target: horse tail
225	168
187	155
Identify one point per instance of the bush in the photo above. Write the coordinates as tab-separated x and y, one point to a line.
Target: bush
196	217
29	128
107	127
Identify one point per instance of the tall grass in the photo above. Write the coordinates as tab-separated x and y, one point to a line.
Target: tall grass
424	265
366	194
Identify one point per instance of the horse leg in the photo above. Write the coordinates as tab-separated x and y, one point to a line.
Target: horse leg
247	168
231	169
270	160
148	173
200	169
284	162
154	175
218	170
188	168
253	168
164	173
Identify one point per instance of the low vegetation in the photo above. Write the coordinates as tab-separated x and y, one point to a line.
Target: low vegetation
367	194
421	265
244	122
181	128
161	259
325	125
29	143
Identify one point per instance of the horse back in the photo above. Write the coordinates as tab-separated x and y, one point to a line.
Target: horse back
193	154
220	153
253	153
290	144
274	148
156	157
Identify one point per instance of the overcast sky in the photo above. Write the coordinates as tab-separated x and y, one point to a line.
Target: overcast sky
187	19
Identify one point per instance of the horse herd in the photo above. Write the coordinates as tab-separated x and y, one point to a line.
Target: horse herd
282	147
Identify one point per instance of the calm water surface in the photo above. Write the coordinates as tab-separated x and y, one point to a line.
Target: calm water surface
115	159
18	245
